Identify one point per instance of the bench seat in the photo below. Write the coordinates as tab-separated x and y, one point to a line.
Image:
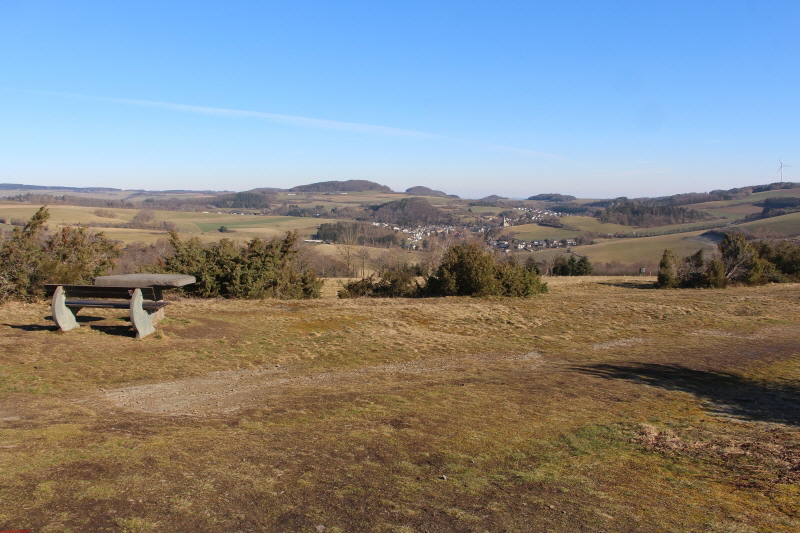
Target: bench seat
111	304
68	300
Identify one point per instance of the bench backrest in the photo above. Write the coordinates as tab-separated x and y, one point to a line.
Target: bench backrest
94	291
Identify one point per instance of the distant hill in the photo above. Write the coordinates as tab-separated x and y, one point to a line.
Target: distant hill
493	198
553	197
342	186
420	190
410	212
21	187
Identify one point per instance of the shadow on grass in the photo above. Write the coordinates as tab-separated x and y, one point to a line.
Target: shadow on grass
729	394
85	321
32	327
630	284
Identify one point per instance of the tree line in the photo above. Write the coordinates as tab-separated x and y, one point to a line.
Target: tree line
645	216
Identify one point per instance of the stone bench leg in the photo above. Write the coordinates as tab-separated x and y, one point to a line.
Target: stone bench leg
62	315
141	319
157	316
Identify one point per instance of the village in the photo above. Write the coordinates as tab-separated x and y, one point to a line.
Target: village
419	236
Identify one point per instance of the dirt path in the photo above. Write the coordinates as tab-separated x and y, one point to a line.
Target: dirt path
218	393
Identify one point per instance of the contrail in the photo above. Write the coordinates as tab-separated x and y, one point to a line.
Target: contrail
294	121
273	117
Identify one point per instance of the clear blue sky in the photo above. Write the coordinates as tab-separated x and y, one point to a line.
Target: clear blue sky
595	99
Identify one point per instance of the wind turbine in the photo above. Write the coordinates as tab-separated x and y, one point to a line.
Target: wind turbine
781	169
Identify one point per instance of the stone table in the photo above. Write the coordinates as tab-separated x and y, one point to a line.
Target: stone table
159	282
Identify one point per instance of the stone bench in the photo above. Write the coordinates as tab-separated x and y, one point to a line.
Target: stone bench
140	301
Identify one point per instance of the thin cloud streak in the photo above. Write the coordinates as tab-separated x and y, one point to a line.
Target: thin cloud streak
296	121
275	117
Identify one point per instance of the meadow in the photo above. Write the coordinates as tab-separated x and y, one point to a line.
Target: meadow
604	405
204	225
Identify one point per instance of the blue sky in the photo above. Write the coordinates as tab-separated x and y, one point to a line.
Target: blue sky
595	99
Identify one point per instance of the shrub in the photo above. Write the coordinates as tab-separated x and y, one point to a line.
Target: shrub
469	270
29	259
391	284
572	266
738	262
105	213
465	270
260	269
667	273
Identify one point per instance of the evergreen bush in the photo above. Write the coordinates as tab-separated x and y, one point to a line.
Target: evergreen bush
31	257
260	269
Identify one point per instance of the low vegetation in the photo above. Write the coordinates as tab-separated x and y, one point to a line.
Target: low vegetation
259	269
572	266
737	261
466	269
32	257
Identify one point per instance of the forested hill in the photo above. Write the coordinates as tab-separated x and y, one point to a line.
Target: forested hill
647	216
421	190
342	186
410	212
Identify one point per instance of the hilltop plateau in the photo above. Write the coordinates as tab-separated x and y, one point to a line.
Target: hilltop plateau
573	411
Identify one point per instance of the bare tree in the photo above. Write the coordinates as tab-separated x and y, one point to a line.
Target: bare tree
348	240
363	255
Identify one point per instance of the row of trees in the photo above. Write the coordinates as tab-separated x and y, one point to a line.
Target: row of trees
572	266
645	215
358	233
776	206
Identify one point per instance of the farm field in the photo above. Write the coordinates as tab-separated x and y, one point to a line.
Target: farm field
757	197
536	232
788	225
644	249
604	405
189	223
583	224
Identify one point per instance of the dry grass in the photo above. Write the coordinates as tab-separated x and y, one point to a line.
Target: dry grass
604	405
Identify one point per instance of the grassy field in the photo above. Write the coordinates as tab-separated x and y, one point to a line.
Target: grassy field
536	232
643	249
583	224
788	225
604	405
190	224
757	197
